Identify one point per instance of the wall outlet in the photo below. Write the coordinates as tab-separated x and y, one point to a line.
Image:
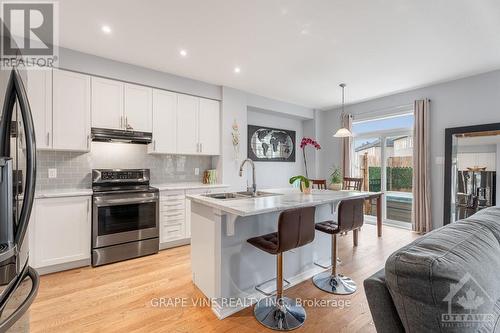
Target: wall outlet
52	173
196	171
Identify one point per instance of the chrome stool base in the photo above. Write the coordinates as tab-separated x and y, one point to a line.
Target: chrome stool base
285	315
338	284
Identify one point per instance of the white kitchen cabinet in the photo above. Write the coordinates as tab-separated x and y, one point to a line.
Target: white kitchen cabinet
39	89
71	111
164	122
138	108
187	124
107	104
172	216
209	127
187	222
61	231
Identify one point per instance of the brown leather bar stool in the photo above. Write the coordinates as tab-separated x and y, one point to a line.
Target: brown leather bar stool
350	218
295	229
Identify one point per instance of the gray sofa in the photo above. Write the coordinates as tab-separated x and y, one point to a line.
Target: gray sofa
445	281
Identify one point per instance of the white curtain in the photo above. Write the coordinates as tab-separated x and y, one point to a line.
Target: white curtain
346	146
421	212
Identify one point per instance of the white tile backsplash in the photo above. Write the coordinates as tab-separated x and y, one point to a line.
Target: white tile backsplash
74	169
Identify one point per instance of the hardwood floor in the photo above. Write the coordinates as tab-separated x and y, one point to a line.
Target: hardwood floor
118	297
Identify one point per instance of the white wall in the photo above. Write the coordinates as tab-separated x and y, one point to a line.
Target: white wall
470	101
277	174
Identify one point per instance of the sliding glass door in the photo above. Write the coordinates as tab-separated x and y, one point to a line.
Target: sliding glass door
383	157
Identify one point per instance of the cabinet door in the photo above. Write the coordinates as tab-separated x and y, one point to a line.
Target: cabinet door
138	108
209	127
71	111
39	90
61	232
164	122
107	104
187	124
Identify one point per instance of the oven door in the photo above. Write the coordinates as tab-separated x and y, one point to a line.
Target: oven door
124	217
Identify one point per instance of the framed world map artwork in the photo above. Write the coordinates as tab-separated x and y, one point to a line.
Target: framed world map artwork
270	144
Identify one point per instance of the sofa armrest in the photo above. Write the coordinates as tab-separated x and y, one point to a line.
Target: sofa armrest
384	313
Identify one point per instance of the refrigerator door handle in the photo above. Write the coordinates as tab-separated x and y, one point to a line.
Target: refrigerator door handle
21	310
15	88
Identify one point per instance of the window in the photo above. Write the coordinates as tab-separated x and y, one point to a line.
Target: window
383	157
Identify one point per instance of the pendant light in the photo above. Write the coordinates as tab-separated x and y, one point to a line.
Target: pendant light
343	132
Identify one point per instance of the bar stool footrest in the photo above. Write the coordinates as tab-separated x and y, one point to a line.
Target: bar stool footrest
269	289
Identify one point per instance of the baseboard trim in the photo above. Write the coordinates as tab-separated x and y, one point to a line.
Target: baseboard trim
63	267
180	242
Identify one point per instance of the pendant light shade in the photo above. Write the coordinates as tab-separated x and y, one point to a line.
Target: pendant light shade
343	132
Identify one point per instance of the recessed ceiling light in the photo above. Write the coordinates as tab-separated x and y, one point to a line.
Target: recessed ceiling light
183	53
106	29
237	70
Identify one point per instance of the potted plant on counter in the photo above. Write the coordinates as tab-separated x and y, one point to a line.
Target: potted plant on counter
305	184
335	179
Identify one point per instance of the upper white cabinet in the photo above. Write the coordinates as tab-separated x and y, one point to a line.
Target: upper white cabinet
60	232
71	111
164	122
198	125
187	124
209	127
138	108
107	104
118	105
39	91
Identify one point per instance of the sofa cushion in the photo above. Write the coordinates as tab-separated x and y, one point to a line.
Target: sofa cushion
450	272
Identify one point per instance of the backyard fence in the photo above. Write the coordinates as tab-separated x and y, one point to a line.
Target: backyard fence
398	179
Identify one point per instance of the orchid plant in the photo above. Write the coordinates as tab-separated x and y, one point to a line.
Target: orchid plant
308	142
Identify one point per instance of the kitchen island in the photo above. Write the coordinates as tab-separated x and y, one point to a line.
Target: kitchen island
226	268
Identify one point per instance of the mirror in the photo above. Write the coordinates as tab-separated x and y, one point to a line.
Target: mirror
472	156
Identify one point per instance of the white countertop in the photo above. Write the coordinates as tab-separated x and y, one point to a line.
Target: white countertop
187	186
69	192
286	199
59	193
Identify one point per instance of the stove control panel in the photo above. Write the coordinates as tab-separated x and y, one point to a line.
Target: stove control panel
120	176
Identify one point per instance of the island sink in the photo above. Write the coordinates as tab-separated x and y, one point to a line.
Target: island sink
239	195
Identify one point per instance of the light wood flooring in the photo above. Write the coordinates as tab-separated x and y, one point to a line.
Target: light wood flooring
117	297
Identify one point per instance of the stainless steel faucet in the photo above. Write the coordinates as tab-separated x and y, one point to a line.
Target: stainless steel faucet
253	189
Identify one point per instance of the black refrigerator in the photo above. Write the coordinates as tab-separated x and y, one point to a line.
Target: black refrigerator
18	281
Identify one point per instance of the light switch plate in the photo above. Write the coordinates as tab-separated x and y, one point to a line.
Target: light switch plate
52	173
196	171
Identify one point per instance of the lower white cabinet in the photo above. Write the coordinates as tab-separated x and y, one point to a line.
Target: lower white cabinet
175	214
60	231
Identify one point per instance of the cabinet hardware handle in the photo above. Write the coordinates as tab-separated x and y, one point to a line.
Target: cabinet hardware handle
121	121
201	147
48	138
126	123
88	141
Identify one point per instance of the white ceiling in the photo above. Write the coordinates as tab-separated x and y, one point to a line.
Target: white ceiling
291	50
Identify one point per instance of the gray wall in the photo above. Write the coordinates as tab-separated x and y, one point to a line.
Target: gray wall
73	169
470	101
91	64
277	174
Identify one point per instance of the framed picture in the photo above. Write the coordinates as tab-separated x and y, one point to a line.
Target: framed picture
270	144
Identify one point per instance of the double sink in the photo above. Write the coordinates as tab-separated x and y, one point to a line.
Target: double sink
239	195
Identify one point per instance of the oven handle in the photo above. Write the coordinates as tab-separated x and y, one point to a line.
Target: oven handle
124	201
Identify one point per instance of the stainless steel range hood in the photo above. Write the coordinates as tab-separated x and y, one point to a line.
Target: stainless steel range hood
112	135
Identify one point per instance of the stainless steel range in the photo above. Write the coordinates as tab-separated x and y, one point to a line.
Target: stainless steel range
125	215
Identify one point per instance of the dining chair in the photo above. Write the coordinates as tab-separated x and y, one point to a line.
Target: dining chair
319	184
353	184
